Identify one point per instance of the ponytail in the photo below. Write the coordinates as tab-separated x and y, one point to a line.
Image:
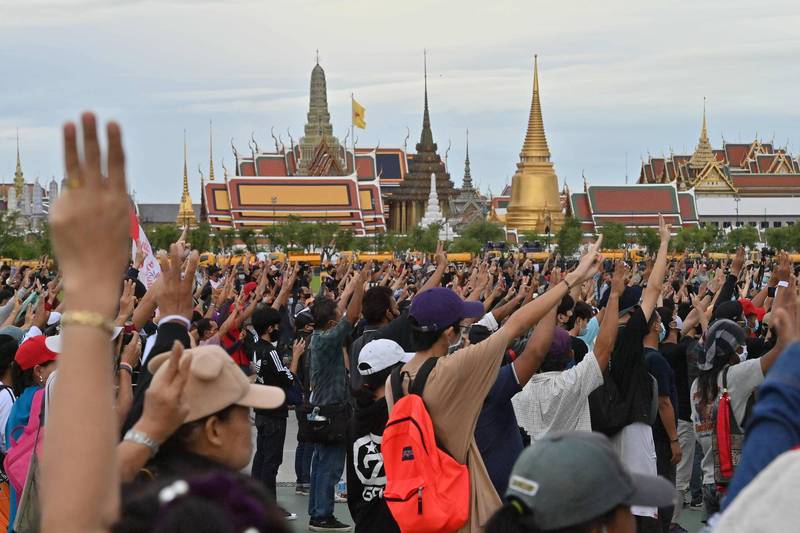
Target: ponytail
512	517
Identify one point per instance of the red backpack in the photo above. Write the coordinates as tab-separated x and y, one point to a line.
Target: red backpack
427	491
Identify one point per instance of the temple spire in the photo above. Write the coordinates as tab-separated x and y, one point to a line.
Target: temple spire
535	146
186	217
210	152
467	185
704	153
19	178
426	138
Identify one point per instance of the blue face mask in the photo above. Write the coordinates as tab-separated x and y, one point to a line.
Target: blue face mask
662	334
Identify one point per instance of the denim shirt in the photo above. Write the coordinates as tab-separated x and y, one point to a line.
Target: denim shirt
328	373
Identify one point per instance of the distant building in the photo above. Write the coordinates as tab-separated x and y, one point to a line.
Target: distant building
30	201
467	205
740	184
634	206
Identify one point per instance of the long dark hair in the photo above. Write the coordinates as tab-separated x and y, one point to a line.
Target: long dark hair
707	388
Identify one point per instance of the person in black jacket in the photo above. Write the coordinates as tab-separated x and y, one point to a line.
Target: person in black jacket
366	477
270	424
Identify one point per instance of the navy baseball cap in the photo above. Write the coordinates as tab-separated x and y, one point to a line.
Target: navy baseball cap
439	308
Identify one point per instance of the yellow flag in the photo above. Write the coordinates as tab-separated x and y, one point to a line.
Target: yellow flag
358	115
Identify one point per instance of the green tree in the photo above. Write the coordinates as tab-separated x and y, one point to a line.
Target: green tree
200	237
163	235
423	239
465	244
226	238
344	239
249	238
325	232
744	236
307	235
291	231
275	235
483	231
614	235
778	238
569	237
648	239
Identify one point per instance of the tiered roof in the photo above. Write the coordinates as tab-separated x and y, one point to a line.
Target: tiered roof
745	169
633	206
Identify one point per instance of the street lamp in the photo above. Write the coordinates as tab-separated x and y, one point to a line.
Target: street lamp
274	201
737	200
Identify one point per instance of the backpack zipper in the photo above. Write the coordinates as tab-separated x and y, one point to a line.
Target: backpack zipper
419	500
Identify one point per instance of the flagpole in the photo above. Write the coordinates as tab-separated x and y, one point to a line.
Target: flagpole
353	129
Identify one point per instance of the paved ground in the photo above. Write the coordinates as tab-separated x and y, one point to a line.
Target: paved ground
299	504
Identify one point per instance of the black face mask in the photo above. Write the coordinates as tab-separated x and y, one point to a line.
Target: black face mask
274	335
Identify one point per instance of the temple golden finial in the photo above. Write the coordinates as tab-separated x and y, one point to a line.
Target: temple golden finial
210	151
186	217
704	153
535	145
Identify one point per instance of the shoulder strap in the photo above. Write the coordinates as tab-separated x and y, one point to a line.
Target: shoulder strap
397	384
725	377
418	385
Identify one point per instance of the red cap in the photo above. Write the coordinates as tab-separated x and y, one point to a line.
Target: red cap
749	309
248	288
34	352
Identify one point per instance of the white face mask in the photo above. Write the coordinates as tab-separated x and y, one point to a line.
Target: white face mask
743	355
453	347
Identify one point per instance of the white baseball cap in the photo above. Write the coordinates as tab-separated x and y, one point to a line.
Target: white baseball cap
380	354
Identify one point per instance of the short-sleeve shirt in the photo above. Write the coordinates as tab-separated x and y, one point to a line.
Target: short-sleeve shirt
676	356
328	373
558	401
659	368
497	432
454	394
743	379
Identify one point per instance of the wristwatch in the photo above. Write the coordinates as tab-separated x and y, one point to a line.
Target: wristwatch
144	439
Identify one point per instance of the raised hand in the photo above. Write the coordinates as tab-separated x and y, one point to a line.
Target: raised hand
89	221
588	263
175	294
441	255
619	278
738	261
664	229
165	407
126	302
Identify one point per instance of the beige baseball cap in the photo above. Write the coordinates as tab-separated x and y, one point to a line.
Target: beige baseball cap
215	382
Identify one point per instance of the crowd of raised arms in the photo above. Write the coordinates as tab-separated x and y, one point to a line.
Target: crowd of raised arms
500	395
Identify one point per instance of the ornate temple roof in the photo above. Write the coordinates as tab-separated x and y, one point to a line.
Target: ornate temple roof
744	169
425	162
633	206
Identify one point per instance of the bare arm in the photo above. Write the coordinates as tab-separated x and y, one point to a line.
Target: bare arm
607	336
656	279
441	263
354	308
92	261
532	357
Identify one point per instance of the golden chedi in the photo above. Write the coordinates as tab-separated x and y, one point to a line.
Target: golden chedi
535	203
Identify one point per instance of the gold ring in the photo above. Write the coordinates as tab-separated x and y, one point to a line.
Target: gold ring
72	183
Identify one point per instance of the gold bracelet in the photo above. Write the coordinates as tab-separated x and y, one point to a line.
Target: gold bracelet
89	319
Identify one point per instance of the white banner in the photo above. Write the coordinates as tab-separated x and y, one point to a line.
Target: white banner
150	269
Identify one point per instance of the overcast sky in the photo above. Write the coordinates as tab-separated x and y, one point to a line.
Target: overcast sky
616	78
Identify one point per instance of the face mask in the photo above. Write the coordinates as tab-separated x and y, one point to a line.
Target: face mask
453	347
662	333
743	355
583	332
274	335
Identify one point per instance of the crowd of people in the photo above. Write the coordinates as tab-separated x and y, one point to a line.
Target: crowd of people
573	395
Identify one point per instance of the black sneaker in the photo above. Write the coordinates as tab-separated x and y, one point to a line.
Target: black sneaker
288	515
696	505
328	524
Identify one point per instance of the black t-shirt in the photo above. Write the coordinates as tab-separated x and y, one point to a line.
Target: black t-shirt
629	370
659	368
366	476
675	354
